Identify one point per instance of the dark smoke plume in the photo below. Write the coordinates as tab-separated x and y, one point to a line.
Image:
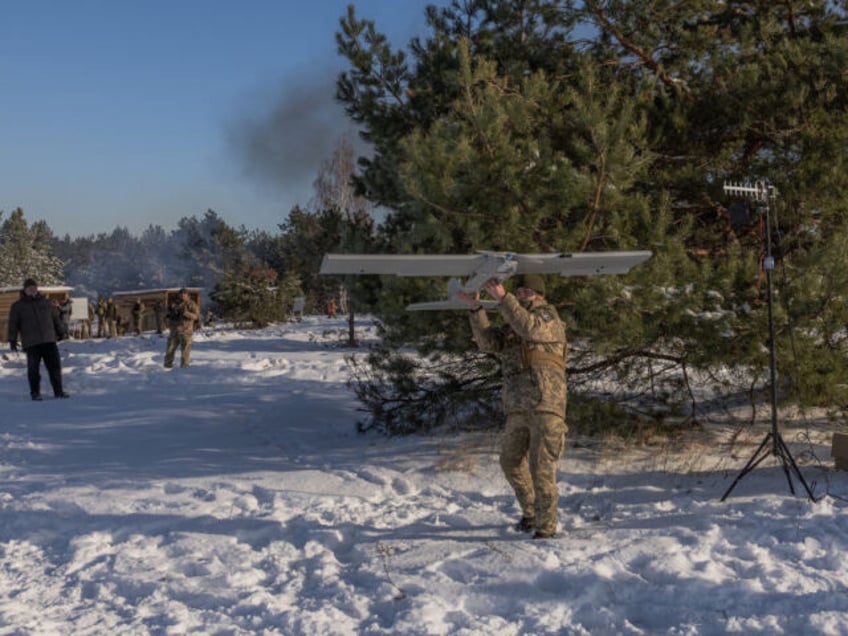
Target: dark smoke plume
284	142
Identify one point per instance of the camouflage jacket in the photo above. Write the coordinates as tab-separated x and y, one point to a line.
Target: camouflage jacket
532	349
182	315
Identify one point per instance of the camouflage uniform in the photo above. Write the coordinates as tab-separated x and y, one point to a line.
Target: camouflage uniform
182	315
532	347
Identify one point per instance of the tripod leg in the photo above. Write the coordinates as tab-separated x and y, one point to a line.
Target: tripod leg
785	456
786	472
751	465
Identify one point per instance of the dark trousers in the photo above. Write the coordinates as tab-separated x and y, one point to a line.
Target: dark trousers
48	352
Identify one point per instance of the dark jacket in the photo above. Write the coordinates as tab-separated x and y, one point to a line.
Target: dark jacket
36	320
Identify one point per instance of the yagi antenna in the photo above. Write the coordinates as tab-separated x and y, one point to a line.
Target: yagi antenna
758	191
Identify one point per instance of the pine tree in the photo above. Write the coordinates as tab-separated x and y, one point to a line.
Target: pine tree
557	126
25	251
253	295
748	91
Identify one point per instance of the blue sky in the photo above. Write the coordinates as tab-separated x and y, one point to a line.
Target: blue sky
136	112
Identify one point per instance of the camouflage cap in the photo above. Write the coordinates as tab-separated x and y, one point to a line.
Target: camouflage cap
532	281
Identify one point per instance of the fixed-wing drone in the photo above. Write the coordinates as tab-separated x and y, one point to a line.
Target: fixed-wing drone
480	267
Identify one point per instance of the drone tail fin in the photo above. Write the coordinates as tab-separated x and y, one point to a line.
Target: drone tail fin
454	287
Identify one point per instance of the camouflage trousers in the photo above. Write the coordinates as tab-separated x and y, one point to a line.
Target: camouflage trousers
530	450
181	340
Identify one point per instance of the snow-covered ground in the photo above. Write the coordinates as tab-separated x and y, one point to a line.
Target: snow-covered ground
235	497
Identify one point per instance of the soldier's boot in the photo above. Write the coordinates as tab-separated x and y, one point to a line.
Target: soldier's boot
525	524
544	534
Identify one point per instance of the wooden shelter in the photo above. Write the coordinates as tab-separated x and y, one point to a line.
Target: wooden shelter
9	295
124	301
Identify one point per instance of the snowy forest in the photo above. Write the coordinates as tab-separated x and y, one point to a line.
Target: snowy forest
547	126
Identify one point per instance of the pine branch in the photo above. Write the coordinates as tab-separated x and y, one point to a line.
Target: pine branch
621	356
639	52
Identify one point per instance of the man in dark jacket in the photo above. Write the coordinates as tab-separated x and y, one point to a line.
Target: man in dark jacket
34	318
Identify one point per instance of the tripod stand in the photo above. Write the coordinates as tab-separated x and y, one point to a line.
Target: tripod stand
773	443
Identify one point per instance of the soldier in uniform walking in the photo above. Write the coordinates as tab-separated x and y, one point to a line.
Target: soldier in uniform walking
182	314
531	346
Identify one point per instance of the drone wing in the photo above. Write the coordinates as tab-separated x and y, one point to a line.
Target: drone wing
580	263
403	264
564	264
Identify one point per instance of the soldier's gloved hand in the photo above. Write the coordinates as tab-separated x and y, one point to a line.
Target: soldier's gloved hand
13	346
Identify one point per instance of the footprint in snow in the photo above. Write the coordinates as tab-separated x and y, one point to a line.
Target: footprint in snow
401	486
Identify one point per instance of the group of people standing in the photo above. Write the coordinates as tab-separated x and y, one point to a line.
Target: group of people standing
111	324
107	318
38	323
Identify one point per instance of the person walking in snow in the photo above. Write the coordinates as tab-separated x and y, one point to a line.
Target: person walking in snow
531	346
36	321
182	314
